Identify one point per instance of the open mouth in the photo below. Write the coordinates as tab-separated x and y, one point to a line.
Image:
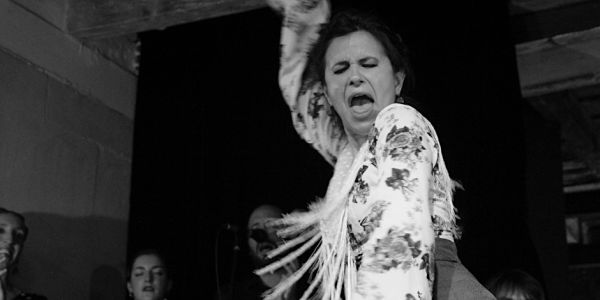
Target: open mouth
148	289
361	103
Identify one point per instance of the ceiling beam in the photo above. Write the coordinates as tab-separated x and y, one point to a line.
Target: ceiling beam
562	62
551	22
87	19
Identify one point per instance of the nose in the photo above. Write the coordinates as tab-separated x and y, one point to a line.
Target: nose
149	277
356	78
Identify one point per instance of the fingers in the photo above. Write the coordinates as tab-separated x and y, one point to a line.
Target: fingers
277	5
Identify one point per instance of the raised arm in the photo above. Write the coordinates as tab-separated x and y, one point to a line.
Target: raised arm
397	258
313	119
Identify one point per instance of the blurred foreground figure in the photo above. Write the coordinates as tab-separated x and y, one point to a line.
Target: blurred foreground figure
515	285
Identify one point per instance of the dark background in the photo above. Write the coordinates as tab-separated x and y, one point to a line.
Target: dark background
213	139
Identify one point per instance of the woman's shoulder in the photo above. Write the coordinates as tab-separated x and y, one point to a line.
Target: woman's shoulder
400	115
399	108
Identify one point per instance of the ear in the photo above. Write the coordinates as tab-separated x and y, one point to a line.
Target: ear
129	288
399	82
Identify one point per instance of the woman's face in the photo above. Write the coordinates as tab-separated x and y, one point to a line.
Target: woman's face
360	80
148	278
12	236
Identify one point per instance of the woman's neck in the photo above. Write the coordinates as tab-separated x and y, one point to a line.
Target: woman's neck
356	140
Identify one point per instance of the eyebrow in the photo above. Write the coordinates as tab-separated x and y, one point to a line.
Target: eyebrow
152	268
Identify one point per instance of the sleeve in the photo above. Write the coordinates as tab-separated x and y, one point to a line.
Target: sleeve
313	118
397	259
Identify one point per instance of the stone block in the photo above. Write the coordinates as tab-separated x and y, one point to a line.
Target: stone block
57	174
22	94
89	118
113	179
69	258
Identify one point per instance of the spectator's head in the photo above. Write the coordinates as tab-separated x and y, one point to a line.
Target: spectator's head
262	237
13	233
148	276
515	285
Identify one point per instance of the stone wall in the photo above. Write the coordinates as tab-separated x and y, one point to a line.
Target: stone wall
65	161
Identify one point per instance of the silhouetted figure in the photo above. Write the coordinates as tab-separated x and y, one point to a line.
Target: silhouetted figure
515	284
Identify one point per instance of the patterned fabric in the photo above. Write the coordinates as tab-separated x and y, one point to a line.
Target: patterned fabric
386	202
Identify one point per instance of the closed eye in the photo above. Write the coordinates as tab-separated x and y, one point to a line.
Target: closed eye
369	62
340	68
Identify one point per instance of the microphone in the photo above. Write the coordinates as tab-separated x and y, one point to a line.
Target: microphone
229	226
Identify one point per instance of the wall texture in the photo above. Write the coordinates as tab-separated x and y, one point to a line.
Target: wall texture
65	163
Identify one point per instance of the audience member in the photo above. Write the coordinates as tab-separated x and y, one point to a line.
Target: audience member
13	233
148	276
261	239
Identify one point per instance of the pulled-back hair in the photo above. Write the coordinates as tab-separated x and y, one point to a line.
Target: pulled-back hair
18	216
148	251
349	21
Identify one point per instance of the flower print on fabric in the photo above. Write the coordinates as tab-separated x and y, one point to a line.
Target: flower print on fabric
396	250
400	179
372	140
396	234
404	144
370	222
360	189
315	106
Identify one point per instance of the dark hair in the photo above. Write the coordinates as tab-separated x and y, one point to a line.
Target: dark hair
515	281
349	21
18	216
149	251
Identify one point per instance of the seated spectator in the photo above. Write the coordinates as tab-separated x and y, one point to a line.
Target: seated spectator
148	276
261	239
515	284
13	233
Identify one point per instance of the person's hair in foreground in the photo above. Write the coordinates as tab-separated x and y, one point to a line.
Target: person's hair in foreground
148	276
515	284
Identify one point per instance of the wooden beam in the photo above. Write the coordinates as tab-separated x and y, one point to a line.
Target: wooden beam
528	6
108	18
61	56
562	62
547	23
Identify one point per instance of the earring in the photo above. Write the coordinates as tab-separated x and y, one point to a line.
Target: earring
399	99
